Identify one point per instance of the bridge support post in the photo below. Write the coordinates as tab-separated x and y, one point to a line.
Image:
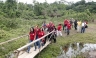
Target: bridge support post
17	54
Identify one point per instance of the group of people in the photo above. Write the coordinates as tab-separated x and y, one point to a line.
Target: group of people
37	32
80	26
34	34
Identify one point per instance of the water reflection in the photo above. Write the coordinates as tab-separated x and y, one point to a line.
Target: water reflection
65	48
10	55
75	50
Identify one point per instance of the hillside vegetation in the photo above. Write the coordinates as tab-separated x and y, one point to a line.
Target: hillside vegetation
17	18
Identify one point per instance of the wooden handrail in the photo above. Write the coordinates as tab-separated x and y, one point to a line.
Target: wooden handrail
25	46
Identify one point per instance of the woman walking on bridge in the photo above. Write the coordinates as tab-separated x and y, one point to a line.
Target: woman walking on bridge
32	36
41	34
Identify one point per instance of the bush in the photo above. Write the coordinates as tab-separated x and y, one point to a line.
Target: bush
2	34
6	24
40	17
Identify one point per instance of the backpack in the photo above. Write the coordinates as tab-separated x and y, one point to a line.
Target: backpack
86	26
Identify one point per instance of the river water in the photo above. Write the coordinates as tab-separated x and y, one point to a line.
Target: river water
75	49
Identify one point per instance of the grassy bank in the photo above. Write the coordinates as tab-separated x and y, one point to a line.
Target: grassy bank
53	50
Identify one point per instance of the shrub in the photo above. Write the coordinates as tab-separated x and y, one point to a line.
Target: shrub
6	24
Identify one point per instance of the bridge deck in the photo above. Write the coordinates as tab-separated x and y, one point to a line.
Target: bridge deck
32	53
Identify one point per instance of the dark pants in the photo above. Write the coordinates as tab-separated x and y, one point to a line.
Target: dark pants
68	31
64	27
29	46
75	26
46	38
52	37
82	29
38	43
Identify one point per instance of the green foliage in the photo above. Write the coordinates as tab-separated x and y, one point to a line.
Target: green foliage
12	9
11	26
6	23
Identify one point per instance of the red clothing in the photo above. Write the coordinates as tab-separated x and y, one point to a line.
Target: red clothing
51	24
40	34
50	28
68	26
59	28
37	30
65	22
47	25
43	40
86	22
32	35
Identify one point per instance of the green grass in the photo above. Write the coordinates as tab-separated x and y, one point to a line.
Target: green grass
53	50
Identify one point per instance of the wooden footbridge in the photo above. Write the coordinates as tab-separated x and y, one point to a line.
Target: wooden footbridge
21	53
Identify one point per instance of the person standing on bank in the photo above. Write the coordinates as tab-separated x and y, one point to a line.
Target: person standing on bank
83	27
59	28
32	36
65	25
78	26
68	28
75	24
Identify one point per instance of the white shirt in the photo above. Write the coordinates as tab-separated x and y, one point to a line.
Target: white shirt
83	24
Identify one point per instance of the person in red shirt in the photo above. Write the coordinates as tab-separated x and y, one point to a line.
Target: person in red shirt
37	30
68	28
50	29
32	36
41	34
59	28
65	24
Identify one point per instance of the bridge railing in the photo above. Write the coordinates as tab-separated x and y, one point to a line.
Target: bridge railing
29	44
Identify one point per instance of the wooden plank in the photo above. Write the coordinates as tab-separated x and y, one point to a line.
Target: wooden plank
33	53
